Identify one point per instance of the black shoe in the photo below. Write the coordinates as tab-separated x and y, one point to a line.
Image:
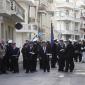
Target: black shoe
48	71
1	73
71	70
44	70
14	72
60	70
26	72
4	73
66	70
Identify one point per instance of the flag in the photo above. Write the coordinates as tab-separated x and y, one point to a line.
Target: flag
52	35
35	38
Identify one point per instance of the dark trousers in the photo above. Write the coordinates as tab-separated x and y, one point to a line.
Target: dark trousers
34	62
7	62
61	62
24	62
41	63
28	65
46	64
15	65
2	66
69	65
53	60
78	57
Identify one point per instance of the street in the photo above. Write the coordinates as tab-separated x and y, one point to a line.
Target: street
40	78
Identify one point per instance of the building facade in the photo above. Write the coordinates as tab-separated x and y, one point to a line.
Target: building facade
82	17
66	20
29	29
10	13
37	20
44	18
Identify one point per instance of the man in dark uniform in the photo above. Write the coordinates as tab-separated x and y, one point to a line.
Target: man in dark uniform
40	55
55	51
24	58
27	62
77	48
61	56
69	57
32	57
45	57
35	50
15	57
8	56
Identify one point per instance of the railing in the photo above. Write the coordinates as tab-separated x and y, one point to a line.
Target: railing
43	4
67	17
65	4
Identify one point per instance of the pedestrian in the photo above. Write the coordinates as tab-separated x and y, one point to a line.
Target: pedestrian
69	57
55	51
15	57
83	51
61	56
45	57
32	57
25	53
2	54
77	48
8	56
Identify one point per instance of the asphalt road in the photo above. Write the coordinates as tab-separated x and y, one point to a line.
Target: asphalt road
52	78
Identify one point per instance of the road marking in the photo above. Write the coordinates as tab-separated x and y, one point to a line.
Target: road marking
81	73
61	76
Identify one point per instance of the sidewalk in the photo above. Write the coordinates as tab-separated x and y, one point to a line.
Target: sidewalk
49	78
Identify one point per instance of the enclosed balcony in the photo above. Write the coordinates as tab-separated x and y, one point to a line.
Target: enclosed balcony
17	11
28	28
63	4
65	18
42	5
29	2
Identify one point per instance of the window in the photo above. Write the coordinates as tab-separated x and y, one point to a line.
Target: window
57	13
84	36
2	30
67	26
67	0
35	27
76	26
67	12
50	1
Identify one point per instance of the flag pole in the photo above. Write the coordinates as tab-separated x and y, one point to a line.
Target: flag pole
52	34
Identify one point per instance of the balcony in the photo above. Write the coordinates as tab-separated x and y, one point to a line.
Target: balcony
51	7
42	5
27	28
83	26
67	18
17	11
44	2
29	2
64	32
11	8
5	9
67	5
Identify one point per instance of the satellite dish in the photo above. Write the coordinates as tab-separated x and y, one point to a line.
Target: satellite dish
18	26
